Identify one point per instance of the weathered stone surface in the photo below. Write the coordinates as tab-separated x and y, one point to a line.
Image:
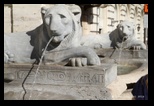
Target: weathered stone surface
125	54
7	19
126	95
59	75
85	83
126	62
25	17
19	45
51	92
118	86
37	95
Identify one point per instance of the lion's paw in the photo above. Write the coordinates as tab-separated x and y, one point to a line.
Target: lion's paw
8	57
97	46
136	48
77	62
80	62
94	61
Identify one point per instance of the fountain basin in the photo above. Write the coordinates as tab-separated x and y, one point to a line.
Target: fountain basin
126	66
123	69
129	59
129	65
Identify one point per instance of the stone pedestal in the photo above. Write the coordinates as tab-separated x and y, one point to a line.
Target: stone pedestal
60	82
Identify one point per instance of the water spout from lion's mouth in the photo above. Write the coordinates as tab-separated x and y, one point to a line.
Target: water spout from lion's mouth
125	38
58	39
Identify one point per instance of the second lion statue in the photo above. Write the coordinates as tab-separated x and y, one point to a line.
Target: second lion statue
122	37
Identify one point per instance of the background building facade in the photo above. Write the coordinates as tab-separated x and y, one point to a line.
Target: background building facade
96	18
146	24
104	19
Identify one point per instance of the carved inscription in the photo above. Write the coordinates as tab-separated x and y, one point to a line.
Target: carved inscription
56	76
81	77
63	77
22	74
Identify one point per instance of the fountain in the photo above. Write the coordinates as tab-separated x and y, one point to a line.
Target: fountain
41	57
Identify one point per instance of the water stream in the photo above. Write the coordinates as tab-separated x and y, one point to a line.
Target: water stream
121	50
39	67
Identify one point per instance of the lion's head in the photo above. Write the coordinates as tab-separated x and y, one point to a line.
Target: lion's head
60	22
126	29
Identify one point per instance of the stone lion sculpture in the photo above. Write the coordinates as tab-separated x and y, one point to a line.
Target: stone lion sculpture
125	32
61	23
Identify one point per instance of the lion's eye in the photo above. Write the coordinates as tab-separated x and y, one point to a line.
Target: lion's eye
62	16
47	20
48	15
128	26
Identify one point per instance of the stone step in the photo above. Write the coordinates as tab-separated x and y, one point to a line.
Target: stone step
119	86
126	95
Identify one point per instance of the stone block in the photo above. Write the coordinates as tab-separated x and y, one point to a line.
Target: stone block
26	17
14	91
55	82
7	19
61	75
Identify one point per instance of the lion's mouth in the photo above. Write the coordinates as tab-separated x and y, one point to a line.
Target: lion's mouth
125	38
58	39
